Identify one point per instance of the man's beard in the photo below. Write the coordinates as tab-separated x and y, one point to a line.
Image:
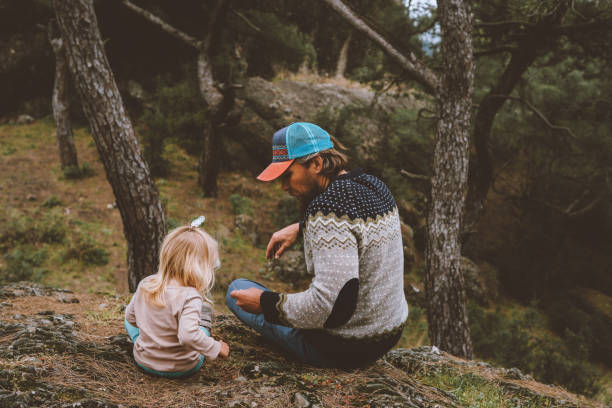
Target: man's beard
308	196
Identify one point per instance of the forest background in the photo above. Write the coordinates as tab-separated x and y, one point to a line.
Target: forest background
539	249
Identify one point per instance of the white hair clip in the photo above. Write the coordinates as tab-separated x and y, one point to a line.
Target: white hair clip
198	221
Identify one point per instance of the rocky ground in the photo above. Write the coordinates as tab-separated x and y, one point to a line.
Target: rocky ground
61	349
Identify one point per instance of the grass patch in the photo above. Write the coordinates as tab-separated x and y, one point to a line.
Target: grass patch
241	204
51	202
109	310
78	172
474	391
87	250
23	263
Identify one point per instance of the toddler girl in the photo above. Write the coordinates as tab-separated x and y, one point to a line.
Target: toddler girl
163	317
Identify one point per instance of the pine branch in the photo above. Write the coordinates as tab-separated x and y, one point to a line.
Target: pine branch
247	21
538	113
415	176
423	75
186	38
505	48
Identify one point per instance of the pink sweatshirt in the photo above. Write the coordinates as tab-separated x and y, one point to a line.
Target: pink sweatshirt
170	337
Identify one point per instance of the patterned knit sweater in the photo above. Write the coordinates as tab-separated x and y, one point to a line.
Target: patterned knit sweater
353	246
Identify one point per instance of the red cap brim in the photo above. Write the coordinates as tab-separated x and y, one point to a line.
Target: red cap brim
274	170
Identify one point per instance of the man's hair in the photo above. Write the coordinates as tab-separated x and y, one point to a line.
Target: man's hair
334	161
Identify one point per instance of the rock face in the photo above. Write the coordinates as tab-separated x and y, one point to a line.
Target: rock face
46	361
290	268
265	107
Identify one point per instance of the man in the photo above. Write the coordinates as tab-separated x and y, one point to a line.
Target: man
354	310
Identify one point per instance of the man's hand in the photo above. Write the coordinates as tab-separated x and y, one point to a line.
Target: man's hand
282	240
224	352
248	299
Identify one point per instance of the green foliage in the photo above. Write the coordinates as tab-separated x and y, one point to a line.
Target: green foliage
407	144
586	329
87	250
51	202
51	228
177	113
287	211
22	264
278	44
172	223
241	204
7	150
561	175
17	228
474	391
519	341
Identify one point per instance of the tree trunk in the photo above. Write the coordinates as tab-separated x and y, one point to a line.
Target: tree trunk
208	164
136	194
61	104
218	103
342	58
446	312
481	170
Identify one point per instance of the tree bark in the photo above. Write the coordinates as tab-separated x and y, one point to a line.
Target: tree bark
61	104
208	165
136	194
446	312
342	58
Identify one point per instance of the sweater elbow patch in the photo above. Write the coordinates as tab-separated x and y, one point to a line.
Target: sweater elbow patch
344	306
271	303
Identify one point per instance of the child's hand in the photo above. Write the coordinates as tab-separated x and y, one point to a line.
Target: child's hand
224	352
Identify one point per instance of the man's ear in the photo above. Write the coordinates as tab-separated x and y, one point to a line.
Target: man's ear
317	162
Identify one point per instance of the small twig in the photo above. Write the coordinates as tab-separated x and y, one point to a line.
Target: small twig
414	176
505	48
247	21
573	8
503	23
538	113
422	110
163	25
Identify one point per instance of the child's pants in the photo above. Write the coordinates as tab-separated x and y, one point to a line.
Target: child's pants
134	332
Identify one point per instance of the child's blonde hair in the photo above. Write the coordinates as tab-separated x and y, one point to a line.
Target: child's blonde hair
189	256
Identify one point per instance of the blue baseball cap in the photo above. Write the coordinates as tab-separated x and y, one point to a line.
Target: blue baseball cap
299	139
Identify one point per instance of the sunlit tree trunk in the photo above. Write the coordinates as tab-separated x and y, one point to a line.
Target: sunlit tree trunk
136	194
343	57
446	311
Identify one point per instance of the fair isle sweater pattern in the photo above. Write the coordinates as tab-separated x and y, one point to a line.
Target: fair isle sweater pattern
353	247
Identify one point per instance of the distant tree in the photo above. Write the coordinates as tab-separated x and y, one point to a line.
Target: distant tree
61	103
218	101
136	194
343	56
446	312
514	35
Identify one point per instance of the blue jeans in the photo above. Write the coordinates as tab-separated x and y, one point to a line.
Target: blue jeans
288	339
134	332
